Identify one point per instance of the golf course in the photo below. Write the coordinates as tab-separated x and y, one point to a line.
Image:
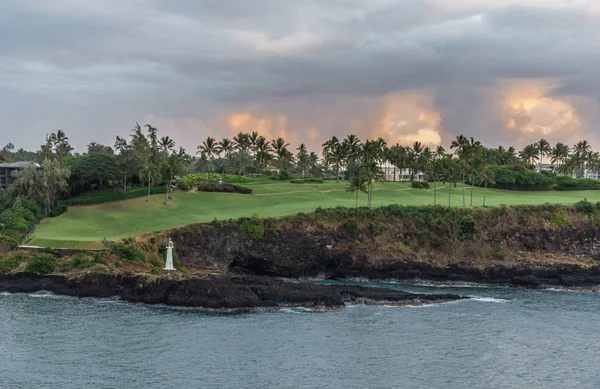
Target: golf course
86	227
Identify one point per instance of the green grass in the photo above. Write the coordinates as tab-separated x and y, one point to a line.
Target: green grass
85	227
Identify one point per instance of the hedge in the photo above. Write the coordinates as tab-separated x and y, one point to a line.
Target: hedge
419	185
308	180
224	188
517	177
570	183
193	180
58	210
116	195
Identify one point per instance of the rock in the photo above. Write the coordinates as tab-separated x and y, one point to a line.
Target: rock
213	292
529	281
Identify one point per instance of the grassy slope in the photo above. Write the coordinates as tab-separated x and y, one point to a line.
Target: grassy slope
85	227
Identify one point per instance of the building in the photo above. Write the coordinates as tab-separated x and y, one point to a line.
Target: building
392	173
7	169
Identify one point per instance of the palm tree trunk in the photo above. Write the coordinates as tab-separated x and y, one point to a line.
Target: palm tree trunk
449	193
472	186
463	190
484	191
148	187
434	192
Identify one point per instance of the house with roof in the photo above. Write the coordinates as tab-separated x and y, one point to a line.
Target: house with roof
7	169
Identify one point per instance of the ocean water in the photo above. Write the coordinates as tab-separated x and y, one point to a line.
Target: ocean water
501	338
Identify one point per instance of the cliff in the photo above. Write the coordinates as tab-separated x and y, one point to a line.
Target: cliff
525	245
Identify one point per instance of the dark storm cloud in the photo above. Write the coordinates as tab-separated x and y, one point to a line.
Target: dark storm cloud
94	68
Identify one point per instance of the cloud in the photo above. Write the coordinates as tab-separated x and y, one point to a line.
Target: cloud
503	71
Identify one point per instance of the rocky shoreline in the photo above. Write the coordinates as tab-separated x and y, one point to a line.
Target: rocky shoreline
223	292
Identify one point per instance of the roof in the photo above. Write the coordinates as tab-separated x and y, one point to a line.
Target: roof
19	165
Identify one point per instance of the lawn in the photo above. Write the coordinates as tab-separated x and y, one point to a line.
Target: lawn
86	227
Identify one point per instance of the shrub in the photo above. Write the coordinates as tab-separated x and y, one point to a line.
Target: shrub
518	177
206	188
184	187
284	175
307	180
585	206
128	253
242	189
42	264
9	264
225	188
570	183
419	185
350	226
253	227
58	210
194	180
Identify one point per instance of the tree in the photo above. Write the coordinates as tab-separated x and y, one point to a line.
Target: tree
175	165
302	160
543	148
126	160
352	147
279	146
262	151
358	183
560	154
166	145
95	167
209	148
97	148
371	171
529	154
44	186
151	173
486	176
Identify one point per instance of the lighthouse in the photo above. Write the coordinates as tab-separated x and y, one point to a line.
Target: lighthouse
169	262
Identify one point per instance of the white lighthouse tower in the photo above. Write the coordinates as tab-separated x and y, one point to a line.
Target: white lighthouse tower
169	263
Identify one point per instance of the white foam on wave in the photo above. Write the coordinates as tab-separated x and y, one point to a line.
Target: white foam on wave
296	310
488	299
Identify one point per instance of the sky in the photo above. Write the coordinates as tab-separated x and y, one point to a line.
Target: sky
505	72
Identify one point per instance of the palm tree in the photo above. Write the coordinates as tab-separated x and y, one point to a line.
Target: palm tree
371	171
253	138
358	183
331	151
486	176
560	154
209	148
166	144
263	151
175	165
529	154
225	146
280	146
543	148
313	162
474	152
302	159
581	153
353	149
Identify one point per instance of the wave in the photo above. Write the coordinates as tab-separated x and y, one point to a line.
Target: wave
487	299
296	310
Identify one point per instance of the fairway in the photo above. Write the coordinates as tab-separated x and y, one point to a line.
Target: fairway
86	227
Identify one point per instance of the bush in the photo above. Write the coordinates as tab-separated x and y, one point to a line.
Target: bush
585	206
253	227
419	185
570	183
194	180
103	196
224	188
128	253
308	180
9	264
284	175
183	187
518	177
42	264
206	188
242	189
58	210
